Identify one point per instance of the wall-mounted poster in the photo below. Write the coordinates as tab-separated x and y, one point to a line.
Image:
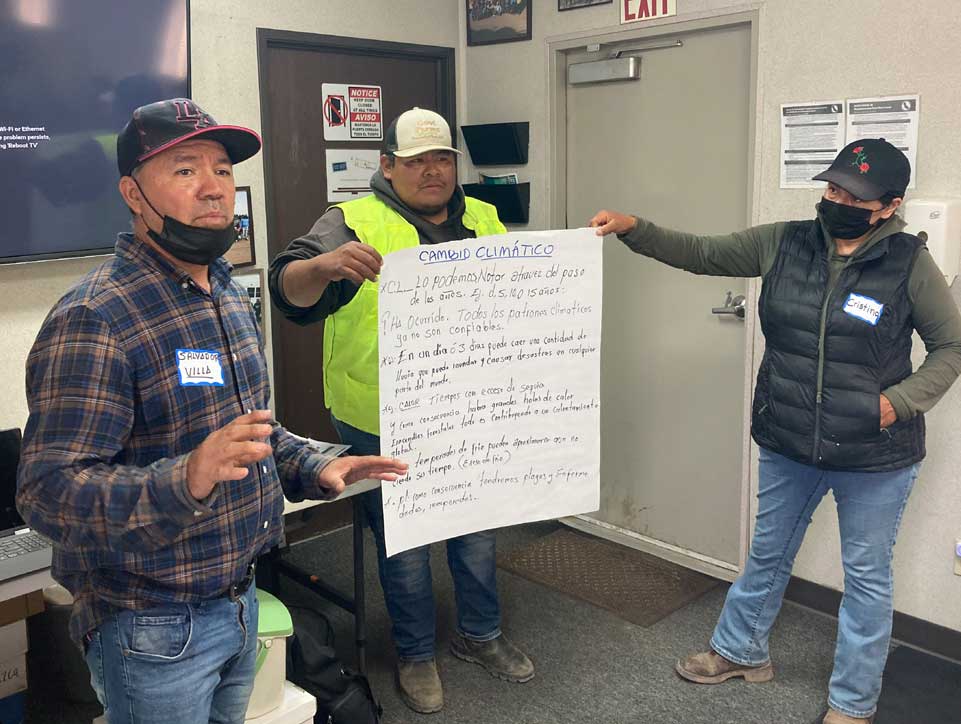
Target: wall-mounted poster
812	134
574	4
349	171
893	118
498	21
242	252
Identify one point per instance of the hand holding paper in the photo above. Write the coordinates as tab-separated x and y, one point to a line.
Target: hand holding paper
354	261
612	222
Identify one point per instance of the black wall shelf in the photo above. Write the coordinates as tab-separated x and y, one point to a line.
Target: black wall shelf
512	200
497	144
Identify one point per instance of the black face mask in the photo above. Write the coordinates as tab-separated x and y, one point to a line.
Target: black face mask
191	244
846	222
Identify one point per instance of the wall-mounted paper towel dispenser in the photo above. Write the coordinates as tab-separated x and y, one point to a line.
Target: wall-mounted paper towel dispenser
938	222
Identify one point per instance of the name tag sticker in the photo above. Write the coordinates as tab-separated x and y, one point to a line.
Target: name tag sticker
200	367
864	308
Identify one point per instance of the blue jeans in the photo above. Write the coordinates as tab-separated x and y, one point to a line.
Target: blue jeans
869	506
177	663
406	577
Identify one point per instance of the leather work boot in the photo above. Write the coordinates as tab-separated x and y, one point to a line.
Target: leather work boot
419	686
499	656
835	717
712	668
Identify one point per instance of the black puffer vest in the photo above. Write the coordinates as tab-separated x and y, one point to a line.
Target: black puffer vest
840	430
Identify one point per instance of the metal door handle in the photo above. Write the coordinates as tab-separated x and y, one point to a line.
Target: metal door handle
732	305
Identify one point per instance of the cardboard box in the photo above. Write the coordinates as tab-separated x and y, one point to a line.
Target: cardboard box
13	640
13	709
13	676
20	607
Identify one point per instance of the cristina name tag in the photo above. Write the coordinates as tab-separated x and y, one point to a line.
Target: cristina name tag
864	308
199	367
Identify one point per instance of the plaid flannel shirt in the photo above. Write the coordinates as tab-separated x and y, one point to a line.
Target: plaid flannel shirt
103	465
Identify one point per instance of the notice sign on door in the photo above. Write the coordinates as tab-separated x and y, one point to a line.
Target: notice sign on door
633	11
352	112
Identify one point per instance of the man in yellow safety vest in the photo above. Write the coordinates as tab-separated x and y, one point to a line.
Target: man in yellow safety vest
331	274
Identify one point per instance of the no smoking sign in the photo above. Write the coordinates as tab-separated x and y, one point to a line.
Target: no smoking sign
352	112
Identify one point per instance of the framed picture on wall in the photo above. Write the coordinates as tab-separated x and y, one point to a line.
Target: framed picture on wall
241	254
253	282
575	4
498	21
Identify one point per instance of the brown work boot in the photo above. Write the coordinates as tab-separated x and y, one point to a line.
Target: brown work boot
419	686
835	717
499	656
712	668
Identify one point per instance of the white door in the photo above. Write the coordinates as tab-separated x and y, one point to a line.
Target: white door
671	147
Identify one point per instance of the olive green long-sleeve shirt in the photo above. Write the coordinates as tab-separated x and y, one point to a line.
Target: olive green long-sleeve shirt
751	253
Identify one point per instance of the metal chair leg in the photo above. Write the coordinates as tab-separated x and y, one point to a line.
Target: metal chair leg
360	608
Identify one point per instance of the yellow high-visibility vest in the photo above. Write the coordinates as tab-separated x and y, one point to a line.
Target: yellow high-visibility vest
351	369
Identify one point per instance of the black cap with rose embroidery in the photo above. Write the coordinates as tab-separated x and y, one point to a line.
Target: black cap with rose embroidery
869	169
156	127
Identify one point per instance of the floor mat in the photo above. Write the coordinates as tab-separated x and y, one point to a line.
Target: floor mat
638	587
919	687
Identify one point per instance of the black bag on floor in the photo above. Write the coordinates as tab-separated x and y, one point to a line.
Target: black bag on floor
343	695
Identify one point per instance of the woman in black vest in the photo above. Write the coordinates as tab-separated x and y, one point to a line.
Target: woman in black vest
837	405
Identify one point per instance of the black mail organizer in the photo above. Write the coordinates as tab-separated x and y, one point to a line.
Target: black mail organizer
512	200
497	144
500	144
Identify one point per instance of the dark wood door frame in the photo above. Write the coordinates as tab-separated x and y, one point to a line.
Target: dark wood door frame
268	39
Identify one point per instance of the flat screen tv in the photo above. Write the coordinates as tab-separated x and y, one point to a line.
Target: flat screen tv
72	73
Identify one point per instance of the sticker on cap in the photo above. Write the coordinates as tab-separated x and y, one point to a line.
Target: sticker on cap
199	367
864	308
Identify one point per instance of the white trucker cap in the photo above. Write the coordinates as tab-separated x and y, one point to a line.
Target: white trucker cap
418	131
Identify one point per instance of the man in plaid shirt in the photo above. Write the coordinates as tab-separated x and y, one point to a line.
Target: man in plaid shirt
149	457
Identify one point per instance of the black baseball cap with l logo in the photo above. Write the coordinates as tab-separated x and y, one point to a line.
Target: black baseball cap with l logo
158	126
869	169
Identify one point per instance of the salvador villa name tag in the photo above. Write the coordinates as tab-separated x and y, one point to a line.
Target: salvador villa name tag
199	367
864	308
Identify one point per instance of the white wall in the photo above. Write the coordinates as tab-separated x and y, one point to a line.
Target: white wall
27	291
224	83
805	52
